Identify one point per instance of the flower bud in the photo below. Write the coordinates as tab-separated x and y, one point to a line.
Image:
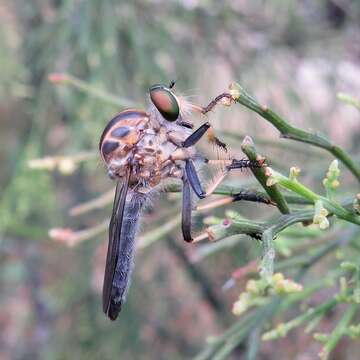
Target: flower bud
294	172
235	90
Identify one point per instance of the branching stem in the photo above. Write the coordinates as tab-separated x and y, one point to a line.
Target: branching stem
288	131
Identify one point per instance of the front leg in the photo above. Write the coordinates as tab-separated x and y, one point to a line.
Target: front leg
199	133
191	140
196	135
224	98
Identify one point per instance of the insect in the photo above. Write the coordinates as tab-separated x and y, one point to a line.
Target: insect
141	150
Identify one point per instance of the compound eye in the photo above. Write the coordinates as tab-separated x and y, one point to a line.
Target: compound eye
165	101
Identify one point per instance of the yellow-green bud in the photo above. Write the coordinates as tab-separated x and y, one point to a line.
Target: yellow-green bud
235	90
294	172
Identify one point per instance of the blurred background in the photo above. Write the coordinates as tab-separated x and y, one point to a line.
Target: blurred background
293	56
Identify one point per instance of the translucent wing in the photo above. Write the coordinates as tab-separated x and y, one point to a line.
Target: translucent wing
114	242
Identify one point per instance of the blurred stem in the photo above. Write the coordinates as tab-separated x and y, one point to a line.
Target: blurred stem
215	342
206	250
338	332
256	321
199	278
159	232
253	344
348	99
282	329
268	255
290	132
309	290
248	148
220	347
96	203
69	80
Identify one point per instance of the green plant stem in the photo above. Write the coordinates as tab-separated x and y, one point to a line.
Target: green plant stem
257	321
339	331
234	227
348	99
232	337
268	255
290	132
66	79
282	329
230	190
253	344
215	342
309	290
332	206
248	148
159	232
237	226
294	147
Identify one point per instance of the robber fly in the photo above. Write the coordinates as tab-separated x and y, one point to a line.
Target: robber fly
141	150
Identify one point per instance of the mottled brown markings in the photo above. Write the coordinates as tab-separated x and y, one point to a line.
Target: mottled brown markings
129	115
120	132
149	149
109	146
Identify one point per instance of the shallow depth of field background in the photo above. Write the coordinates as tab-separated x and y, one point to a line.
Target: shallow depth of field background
293	56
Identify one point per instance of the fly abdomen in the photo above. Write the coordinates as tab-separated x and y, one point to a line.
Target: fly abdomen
125	258
122	133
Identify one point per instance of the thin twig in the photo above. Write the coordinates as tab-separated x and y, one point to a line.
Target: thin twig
96	203
348	99
338	332
248	148
291	132
231	190
66	79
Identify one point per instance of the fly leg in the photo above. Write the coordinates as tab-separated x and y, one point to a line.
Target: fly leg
216	101
194	180
186	211
246	195
196	135
225	97
199	133
191	181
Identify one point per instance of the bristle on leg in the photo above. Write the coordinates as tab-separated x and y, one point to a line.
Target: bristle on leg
252	196
246	164
224	98
215	140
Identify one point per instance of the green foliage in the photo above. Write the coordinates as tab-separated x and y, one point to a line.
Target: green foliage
68	67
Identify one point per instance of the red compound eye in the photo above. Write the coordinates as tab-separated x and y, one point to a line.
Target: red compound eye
165	101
